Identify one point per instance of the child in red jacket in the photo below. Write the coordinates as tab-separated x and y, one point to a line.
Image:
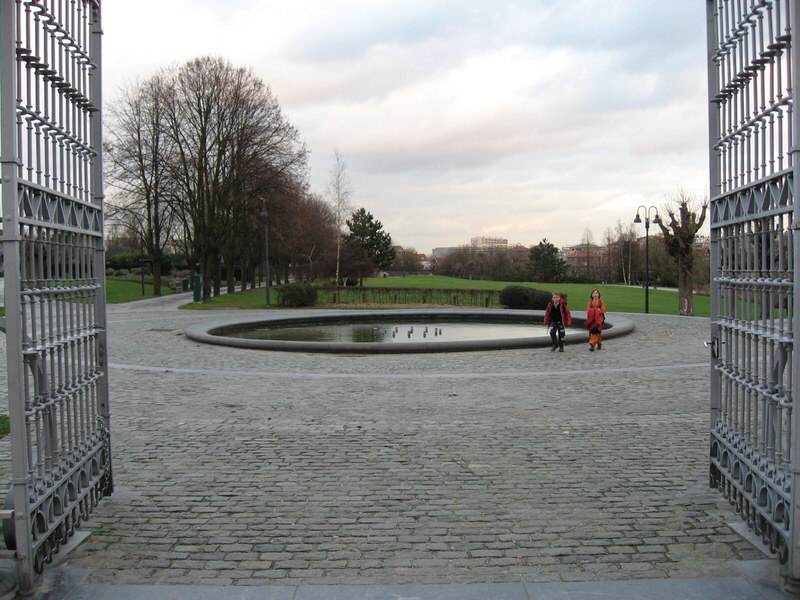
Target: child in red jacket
595	317
557	316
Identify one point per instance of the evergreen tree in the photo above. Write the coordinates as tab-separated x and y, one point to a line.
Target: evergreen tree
370	246
545	264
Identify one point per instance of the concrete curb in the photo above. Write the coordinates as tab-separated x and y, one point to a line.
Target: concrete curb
218	332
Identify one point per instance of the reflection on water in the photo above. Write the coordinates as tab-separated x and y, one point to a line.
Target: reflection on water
395	332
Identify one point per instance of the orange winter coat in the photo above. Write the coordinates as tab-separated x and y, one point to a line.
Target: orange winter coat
595	315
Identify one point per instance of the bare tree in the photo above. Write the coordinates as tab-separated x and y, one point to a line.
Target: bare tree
313	237
587	241
407	260
679	236
340	193
195	150
625	244
139	149
608	242
232	147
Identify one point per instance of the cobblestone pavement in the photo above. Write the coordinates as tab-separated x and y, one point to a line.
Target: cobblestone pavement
244	467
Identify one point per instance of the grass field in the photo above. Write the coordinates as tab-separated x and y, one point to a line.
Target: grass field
118	291
617	298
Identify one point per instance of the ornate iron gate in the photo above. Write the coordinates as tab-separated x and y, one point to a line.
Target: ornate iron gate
754	250
52	234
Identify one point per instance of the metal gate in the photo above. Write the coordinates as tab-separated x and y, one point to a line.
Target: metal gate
754	250
52	234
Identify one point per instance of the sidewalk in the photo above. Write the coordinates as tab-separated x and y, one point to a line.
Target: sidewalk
508	474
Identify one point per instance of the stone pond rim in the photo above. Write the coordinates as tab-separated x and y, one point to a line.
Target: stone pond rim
217	332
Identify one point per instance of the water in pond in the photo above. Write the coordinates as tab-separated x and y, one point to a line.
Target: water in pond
395	332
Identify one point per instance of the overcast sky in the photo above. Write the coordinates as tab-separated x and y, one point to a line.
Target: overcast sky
524	119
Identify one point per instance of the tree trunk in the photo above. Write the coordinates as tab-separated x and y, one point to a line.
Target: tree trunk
157	276
217	278
685	291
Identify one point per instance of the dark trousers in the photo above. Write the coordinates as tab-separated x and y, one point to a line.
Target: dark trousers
557	333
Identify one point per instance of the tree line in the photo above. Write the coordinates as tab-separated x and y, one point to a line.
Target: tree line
674	260
203	163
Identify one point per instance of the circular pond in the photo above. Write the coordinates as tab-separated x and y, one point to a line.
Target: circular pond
382	332
395	331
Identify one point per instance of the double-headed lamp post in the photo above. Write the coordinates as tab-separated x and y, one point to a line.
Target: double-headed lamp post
266	244
656	220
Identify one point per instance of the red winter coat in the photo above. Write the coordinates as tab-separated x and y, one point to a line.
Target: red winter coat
595	315
566	317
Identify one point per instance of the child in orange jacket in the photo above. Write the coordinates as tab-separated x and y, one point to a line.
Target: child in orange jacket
595	317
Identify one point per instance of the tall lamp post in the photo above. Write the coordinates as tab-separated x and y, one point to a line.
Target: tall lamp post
266	244
656	220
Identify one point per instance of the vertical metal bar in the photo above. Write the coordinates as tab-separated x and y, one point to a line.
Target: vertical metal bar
98	257
9	168
793	563
712	32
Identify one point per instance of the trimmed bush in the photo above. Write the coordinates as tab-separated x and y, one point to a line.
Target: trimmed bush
521	297
540	298
297	294
515	296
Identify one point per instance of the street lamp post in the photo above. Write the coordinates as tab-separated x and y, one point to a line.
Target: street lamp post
656	220
266	244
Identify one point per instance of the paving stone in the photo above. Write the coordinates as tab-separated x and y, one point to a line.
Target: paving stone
289	468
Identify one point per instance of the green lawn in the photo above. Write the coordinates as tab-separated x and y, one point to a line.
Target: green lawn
256	298
118	290
617	298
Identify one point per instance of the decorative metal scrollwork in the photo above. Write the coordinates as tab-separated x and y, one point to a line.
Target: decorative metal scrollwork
761	502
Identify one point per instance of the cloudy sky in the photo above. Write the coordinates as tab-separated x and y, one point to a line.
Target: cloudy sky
524	119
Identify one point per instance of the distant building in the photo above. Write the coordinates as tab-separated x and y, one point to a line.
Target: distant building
488	243
586	260
441	253
519	254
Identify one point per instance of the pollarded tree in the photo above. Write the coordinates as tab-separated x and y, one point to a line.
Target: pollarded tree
545	264
679	235
370	246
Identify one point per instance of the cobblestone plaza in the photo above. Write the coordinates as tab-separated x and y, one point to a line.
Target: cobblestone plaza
239	467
